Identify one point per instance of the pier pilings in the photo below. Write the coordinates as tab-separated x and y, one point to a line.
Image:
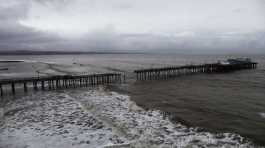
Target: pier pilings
173	71
59	82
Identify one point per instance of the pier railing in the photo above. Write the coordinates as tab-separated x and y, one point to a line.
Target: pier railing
173	71
58	82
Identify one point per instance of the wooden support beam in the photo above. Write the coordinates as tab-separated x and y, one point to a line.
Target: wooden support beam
86	79
42	85
53	86
49	85
35	87
57	83
13	88
1	90
25	87
80	82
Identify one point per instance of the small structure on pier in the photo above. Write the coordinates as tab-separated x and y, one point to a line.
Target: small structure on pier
236	64
173	71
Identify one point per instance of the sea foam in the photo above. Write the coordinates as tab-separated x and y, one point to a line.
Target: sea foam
262	115
98	118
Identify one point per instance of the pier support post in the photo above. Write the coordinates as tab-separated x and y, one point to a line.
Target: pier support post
53	84
13	88
1	90
35	85
108	79
65	83
97	79
124	78
57	83
93	80
25	87
49	84
80	82
42	85
86	81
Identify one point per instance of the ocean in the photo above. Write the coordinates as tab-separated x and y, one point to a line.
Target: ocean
231	102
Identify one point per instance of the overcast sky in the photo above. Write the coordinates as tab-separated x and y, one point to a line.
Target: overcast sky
148	25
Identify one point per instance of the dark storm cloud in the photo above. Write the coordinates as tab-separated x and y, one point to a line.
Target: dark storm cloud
14	36
46	17
18	37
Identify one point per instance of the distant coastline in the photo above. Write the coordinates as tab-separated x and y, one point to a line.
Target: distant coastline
31	52
11	61
180	52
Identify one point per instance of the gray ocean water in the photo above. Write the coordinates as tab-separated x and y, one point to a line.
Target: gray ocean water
228	102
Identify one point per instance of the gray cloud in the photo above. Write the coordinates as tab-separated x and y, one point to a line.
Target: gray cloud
14	36
122	26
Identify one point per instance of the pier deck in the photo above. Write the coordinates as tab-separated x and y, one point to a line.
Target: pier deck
69	81
58	82
173	71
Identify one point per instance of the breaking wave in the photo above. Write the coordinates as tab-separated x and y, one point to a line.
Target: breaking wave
98	118
262	115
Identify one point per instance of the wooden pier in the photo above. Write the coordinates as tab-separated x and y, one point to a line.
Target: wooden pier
59	82
173	71
69	81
